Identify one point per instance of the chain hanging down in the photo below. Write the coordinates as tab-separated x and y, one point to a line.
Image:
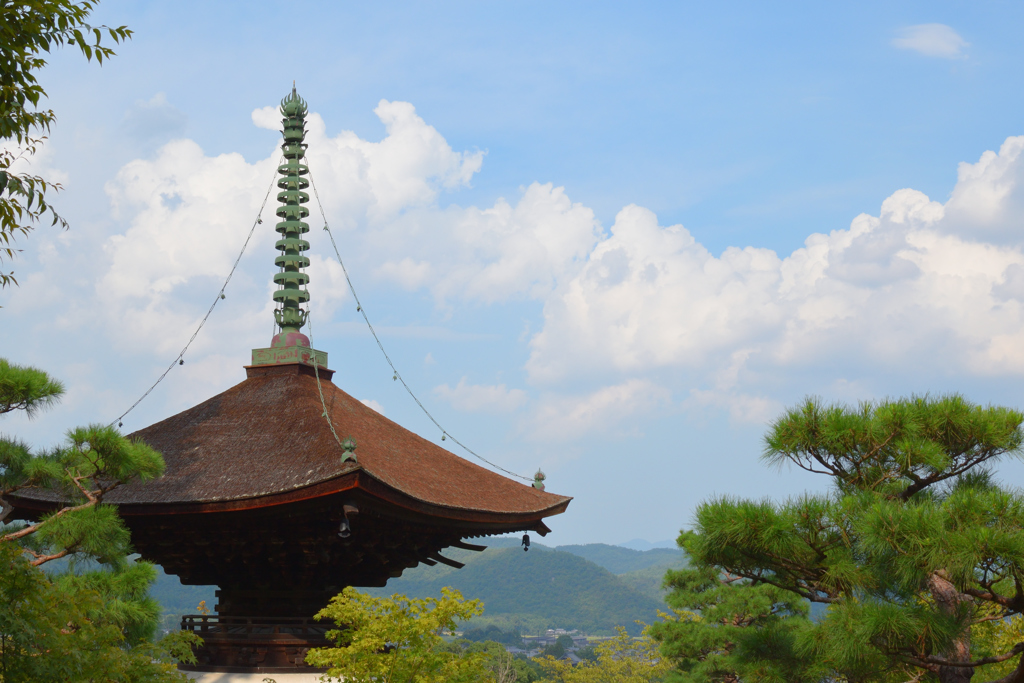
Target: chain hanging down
348	446
397	376
180	358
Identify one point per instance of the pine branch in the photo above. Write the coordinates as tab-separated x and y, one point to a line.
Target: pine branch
43	559
934	663
805	583
992	596
872	452
991	617
953	471
94	498
918	677
803	592
1015	676
995	659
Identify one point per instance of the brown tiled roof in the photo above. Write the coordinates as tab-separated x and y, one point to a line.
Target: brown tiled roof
266	436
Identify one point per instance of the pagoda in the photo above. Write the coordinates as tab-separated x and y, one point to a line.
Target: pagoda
284	489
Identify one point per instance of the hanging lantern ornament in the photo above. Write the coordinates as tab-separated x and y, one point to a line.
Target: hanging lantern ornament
526	543
345	530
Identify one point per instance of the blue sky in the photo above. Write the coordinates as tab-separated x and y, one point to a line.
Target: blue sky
609	241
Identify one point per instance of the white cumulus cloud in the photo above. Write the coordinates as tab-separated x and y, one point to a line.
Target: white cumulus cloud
370	403
188	215
566	417
987	202
918	286
268	118
362	180
931	40
481	398
632	315
495	253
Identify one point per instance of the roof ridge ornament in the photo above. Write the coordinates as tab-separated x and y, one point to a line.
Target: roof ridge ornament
290	345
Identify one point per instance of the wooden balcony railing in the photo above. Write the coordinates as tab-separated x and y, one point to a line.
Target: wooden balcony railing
253	628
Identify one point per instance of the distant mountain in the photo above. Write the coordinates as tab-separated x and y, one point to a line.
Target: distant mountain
648	582
535	590
177	599
619	560
642	544
641	570
592	587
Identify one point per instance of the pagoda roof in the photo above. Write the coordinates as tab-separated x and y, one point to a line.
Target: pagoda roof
265	441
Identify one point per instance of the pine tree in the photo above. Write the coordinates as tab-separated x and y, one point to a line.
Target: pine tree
94	620
727	629
914	551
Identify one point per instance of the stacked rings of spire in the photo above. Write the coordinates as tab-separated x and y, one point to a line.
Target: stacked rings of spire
291	279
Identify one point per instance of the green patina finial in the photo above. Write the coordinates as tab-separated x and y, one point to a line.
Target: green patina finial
290	317
290	345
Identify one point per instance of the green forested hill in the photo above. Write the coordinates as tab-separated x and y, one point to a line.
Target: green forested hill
536	590
642	570
619	560
591	587
648	582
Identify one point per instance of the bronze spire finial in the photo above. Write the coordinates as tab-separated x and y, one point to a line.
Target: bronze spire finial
290	344
293	281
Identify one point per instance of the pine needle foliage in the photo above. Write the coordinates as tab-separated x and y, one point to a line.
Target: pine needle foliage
51	631
96	460
729	629
28	389
94	620
917	553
